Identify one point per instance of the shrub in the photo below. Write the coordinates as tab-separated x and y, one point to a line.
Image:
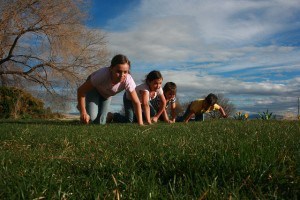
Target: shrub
15	103
266	115
241	116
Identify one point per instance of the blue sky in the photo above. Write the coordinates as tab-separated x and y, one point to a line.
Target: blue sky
248	50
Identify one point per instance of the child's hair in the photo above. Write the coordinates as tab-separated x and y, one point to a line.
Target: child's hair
153	75
170	86
211	99
119	59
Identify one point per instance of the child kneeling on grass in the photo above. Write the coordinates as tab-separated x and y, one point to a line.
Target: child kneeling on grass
147	91
170	96
201	106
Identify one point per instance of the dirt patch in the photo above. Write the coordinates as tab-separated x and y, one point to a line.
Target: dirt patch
67	116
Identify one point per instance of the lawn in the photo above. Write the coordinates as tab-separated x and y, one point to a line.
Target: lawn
221	159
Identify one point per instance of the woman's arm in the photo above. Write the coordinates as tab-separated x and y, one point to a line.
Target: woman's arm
137	107
81	92
145	104
162	107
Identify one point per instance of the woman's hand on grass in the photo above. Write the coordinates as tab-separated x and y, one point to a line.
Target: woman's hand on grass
85	118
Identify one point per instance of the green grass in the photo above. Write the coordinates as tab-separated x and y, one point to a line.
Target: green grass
224	159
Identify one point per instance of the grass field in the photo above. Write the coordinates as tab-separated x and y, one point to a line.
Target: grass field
224	159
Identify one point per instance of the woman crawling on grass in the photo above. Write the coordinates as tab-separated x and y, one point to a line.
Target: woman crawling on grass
94	95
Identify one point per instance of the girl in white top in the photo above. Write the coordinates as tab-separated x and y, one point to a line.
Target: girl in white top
146	92
94	95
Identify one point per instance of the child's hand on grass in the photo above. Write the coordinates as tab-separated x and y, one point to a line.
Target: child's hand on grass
154	119
171	121
148	123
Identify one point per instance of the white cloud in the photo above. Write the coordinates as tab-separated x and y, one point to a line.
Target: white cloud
195	81
253	96
194	43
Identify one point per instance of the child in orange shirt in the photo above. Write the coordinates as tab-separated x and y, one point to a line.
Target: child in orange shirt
198	107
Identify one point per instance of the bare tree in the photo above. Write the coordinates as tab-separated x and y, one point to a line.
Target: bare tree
44	43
